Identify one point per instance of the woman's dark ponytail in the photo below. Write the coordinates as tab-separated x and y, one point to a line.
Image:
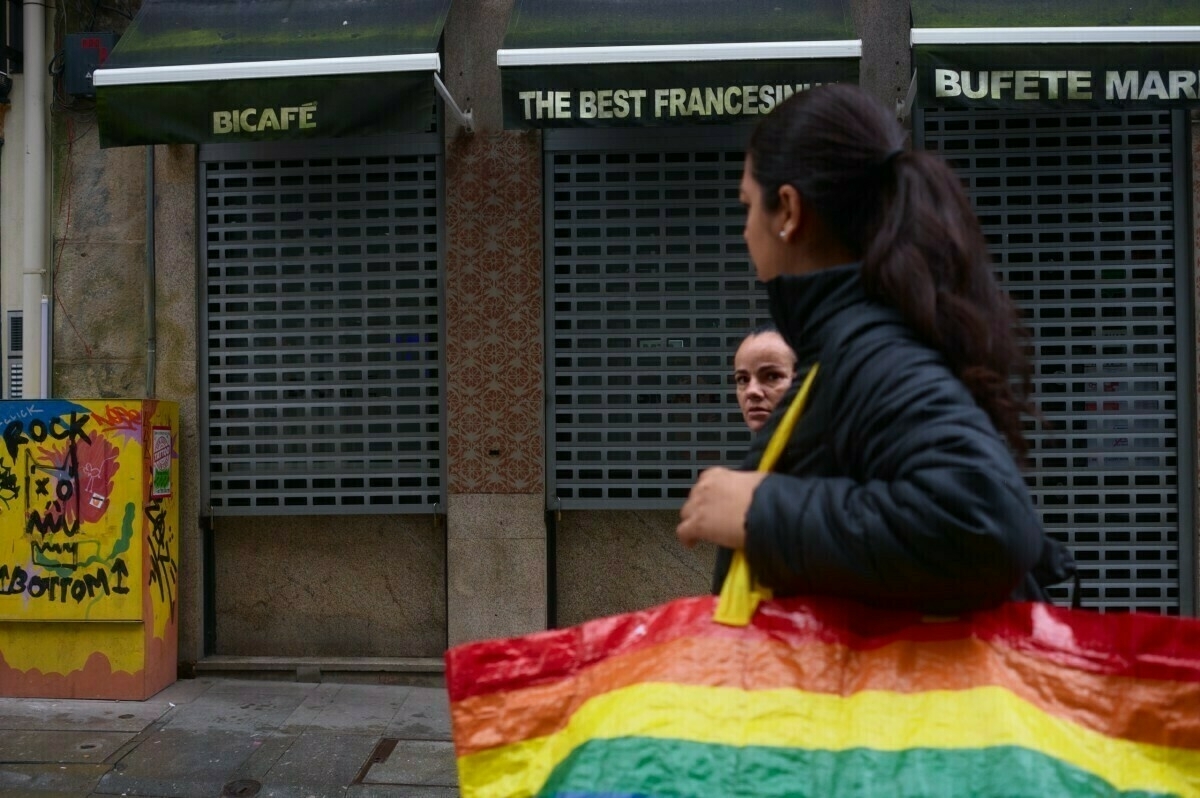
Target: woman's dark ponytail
906	217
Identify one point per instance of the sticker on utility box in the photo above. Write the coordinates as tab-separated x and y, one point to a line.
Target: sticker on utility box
160	462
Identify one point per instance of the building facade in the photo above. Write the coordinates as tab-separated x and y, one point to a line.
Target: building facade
446	376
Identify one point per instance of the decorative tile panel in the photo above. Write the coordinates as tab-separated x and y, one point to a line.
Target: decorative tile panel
494	349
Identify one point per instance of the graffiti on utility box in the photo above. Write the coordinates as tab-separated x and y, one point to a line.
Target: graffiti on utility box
89	548
85	489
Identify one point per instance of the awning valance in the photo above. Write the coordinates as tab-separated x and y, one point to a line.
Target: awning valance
1038	54
602	63
260	70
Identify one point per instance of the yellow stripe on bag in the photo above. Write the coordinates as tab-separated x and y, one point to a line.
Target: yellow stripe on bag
977	718
740	595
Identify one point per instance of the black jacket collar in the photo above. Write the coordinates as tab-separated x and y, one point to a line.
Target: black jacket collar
801	304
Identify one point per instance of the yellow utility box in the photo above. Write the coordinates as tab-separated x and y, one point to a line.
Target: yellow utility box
89	547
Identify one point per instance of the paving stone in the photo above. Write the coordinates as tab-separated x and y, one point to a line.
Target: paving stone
268	750
394	791
60	746
158	788
321	760
424	716
318	698
74	714
184	691
417	762
365	708
285	791
245	707
183	763
295	740
50	779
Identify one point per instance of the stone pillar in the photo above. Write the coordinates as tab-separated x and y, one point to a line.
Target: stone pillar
886	67
177	368
496	541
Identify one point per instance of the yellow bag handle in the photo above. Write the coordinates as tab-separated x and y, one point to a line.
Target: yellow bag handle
740	594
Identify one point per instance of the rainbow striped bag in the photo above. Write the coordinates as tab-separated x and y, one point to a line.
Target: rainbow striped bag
824	697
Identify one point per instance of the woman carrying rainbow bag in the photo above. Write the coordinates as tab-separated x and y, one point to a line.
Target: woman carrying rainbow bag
905	652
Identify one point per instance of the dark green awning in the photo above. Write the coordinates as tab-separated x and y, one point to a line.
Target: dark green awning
1048	54
599	63
258	70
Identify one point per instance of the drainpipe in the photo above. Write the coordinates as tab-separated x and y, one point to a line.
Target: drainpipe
35	230
4	107
150	307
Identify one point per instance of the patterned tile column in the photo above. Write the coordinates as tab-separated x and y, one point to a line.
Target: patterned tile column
496	548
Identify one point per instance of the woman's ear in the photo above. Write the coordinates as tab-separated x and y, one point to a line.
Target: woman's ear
791	211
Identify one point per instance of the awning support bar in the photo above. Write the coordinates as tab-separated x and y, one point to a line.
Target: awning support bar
904	107
465	118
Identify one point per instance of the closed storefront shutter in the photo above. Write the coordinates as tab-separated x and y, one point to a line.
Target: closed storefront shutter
322	306
1080	211
649	291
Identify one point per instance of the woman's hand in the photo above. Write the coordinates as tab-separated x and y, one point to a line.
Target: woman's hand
716	508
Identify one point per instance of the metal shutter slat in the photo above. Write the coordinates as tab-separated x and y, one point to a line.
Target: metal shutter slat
1077	209
650	291
323	346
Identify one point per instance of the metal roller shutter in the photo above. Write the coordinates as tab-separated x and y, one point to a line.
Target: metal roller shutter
1080	213
649	290
323	313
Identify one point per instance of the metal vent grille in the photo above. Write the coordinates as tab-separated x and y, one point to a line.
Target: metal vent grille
16	379
1079	214
16	348
650	290
16	332
323	347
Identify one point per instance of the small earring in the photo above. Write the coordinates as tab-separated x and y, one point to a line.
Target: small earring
783	233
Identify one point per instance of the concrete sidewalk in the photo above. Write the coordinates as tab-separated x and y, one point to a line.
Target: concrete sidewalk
214	737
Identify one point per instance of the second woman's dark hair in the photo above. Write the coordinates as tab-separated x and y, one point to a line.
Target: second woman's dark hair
905	216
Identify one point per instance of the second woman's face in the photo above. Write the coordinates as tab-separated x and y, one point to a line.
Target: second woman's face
767	249
763	367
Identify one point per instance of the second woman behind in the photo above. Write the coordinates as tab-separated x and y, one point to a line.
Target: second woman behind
763	369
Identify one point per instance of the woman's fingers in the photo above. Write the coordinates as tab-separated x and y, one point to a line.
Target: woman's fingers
716	508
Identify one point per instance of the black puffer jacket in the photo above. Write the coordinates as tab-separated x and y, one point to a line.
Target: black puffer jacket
895	488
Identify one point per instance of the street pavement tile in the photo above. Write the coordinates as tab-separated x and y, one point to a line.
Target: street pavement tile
267	751
320	760
43	779
187	763
297	740
291	791
79	714
417	762
317	698
184	691
424	716
254	708
366	708
60	746
399	791
260	687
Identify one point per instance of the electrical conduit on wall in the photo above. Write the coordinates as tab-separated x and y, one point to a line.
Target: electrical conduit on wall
4	107
34	229
151	286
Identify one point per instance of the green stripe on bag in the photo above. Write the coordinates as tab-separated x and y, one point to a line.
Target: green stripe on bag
650	767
